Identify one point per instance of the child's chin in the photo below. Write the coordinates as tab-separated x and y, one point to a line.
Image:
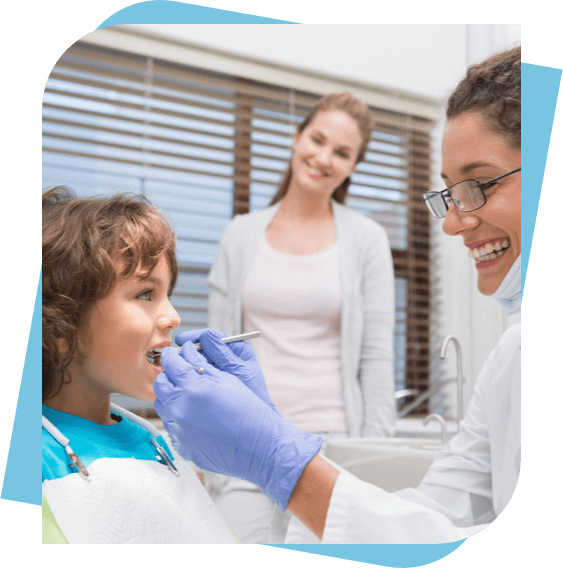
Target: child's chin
150	397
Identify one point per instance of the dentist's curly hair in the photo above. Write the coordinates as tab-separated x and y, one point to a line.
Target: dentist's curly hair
358	111
492	89
85	243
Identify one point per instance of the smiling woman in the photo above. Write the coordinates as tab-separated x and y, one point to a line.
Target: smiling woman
468	484
316	279
335	115
482	141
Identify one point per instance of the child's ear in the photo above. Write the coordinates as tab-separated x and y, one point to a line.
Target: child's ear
62	345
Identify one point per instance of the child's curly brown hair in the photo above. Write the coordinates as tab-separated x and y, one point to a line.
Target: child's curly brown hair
83	240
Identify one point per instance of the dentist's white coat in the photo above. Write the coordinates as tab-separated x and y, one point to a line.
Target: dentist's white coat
466	487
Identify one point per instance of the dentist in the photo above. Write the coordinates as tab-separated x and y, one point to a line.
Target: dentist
224	420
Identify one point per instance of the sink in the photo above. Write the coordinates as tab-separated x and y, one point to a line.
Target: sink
389	463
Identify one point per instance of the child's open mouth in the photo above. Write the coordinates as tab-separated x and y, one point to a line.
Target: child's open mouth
153	357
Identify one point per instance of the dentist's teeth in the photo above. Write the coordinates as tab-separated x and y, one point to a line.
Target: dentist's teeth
489	251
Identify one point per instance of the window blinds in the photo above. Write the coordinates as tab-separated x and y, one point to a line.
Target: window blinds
204	145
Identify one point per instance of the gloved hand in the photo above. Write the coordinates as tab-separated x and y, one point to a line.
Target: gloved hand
215	421
237	358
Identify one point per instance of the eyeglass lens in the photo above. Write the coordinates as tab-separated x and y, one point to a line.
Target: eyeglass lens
467	196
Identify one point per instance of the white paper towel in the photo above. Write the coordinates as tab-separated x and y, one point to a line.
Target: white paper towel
132	501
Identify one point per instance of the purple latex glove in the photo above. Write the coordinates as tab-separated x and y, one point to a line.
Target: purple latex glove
214	420
237	358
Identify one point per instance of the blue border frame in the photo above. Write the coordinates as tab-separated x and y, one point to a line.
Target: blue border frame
540	87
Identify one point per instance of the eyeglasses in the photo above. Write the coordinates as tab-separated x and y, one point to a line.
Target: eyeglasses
467	196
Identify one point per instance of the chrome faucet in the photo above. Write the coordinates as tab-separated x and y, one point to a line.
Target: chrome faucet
459	374
442	425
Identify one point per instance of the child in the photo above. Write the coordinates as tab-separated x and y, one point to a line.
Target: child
109	267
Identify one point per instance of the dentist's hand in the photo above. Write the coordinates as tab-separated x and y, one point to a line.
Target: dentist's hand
214	420
237	358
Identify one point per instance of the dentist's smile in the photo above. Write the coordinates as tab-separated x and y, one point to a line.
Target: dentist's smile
492	232
489	252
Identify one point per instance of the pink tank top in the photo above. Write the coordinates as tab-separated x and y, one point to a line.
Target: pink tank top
295	303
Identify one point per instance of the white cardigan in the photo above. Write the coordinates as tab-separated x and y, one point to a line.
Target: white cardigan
368	308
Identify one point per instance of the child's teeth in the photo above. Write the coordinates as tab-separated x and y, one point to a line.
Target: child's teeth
489	248
505	243
153	356
498	245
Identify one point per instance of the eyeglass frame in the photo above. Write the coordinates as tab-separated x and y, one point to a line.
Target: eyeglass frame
447	192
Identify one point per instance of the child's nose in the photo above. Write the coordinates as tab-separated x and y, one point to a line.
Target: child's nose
169	317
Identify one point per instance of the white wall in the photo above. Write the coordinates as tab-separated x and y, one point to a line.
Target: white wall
424	59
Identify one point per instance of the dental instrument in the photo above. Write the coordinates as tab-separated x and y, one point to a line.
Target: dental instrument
231	339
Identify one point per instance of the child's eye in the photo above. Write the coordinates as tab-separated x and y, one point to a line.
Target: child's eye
145	295
343	154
